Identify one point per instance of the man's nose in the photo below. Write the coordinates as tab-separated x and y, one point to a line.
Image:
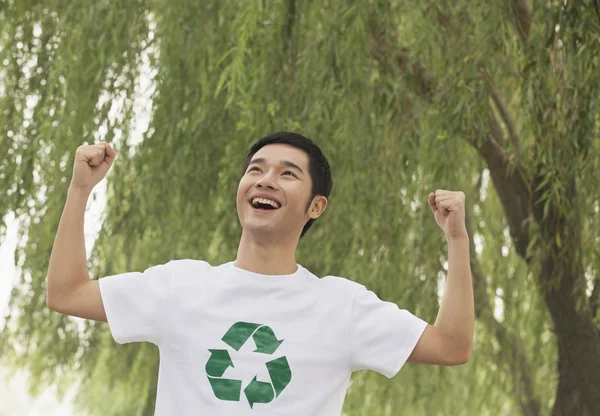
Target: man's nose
266	185
266	182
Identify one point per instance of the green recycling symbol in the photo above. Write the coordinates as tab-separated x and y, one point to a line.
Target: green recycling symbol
256	391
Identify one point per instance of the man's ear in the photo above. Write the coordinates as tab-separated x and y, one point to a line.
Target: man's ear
317	207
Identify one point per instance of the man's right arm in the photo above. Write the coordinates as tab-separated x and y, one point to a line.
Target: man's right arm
69	289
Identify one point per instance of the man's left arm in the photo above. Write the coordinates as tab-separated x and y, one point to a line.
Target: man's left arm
449	340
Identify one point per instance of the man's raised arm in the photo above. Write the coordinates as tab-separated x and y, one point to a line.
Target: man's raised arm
449	340
69	288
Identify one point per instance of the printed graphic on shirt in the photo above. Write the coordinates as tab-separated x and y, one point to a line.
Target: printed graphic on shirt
255	391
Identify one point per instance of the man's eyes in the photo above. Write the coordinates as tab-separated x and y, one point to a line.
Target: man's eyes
257	168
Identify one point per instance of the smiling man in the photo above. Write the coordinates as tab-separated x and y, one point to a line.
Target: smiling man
261	335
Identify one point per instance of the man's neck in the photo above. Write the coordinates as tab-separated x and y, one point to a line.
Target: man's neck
264	257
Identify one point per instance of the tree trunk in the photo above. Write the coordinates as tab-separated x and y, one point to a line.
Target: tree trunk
578	350
578	362
563	285
561	280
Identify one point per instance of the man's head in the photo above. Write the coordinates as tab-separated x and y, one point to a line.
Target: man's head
291	170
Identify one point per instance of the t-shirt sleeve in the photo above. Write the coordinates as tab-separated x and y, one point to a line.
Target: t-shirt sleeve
382	336
136	304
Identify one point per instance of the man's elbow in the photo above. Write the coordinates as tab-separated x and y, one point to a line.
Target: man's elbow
49	300
463	356
53	301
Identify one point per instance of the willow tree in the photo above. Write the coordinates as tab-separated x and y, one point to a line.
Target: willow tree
499	100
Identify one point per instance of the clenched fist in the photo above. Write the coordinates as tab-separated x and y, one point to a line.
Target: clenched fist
92	163
449	211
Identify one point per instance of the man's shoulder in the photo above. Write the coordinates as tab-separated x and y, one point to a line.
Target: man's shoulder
187	266
189	262
341	283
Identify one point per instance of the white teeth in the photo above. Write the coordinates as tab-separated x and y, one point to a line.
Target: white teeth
265	201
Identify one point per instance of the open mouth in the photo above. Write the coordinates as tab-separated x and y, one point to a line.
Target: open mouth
264	205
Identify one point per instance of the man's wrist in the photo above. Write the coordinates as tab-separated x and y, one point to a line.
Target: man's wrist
79	192
461	238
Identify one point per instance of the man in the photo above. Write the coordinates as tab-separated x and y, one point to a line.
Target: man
261	335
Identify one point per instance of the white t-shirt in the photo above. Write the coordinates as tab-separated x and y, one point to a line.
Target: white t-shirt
233	342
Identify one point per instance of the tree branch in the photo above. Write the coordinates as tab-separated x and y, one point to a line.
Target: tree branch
417	73
596	4
510	183
523	17
495	130
503	110
512	188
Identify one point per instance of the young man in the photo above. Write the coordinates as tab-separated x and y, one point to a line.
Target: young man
261	335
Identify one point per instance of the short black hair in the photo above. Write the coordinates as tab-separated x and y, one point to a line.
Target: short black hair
318	166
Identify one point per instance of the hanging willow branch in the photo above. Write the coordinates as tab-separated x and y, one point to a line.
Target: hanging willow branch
503	110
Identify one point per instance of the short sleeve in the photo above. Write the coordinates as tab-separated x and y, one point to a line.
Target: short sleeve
382	336
136	304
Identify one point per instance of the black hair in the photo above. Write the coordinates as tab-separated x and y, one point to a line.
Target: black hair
318	166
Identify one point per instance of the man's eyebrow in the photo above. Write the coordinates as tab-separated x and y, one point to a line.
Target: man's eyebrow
283	162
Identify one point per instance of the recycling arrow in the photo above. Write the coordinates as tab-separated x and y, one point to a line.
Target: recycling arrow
237	335
218	362
226	389
216	365
264	337
256	391
265	340
259	392
279	370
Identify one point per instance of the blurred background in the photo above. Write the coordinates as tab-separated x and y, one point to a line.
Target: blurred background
497	99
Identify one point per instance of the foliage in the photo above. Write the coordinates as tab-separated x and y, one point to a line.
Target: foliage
403	98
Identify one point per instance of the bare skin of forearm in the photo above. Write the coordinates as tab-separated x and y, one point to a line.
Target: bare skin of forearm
68	261
456	315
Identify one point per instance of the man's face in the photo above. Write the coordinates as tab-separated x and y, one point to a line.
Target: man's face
277	172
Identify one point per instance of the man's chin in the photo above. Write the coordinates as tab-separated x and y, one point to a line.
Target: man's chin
264	230
260	228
